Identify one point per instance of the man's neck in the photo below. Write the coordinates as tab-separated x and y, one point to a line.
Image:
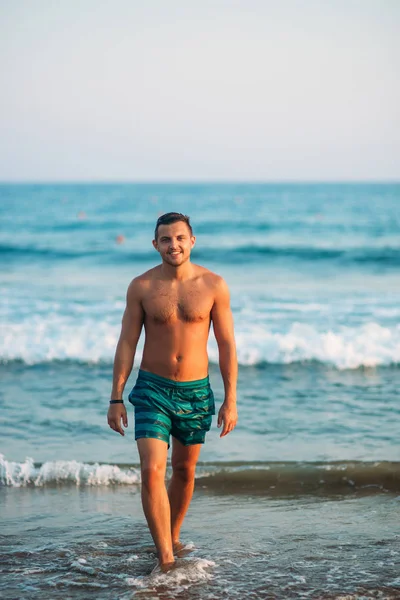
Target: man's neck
179	273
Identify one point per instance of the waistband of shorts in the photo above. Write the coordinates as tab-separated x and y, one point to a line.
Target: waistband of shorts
146	375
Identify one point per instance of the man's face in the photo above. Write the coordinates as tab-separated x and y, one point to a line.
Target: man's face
174	243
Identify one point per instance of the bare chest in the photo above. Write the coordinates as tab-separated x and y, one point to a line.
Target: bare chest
166	307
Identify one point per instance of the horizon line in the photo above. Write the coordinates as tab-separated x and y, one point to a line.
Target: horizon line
197	181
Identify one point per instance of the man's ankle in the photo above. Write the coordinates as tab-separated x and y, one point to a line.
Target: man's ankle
163	567
165	559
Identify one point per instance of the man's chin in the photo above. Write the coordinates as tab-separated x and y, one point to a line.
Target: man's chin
175	262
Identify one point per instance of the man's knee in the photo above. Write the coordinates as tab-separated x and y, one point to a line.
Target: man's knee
184	470
153	474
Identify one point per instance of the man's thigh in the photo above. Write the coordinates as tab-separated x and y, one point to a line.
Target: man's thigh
153	453
184	456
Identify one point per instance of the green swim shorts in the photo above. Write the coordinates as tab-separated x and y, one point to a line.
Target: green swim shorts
164	407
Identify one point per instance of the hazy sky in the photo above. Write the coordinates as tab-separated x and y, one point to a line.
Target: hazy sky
199	90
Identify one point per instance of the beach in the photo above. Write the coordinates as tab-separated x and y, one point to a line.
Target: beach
302	500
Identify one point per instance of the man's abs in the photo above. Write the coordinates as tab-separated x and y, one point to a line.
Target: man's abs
178	353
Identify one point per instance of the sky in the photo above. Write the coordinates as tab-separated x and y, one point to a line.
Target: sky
254	90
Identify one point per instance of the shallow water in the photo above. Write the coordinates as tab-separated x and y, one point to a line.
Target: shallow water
79	543
287	413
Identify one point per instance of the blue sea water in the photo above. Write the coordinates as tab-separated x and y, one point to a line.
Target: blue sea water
313	269
314	274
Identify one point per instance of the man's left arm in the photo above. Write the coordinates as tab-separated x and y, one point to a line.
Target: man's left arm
221	316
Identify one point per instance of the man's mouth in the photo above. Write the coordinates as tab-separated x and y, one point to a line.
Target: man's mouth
174	253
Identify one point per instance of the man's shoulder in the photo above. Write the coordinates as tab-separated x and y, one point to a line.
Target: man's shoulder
143	281
210	278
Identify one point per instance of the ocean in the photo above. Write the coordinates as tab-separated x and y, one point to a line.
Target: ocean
302	500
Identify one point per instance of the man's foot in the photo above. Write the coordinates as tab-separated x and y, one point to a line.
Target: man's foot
181	550
163	568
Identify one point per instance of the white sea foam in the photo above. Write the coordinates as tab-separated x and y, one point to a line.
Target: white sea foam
346	347
53	337
188	571
58	337
19	474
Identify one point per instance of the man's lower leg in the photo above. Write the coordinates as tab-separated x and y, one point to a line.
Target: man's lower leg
180	492
158	514
153	461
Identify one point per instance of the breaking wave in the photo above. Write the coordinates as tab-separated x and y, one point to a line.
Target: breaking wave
64	472
55	337
220	477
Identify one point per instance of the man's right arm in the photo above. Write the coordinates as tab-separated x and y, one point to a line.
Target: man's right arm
132	322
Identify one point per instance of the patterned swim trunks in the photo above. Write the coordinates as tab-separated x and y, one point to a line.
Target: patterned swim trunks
165	407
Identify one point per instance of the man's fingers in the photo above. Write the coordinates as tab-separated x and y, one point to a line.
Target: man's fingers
228	421
120	430
228	426
224	430
115	425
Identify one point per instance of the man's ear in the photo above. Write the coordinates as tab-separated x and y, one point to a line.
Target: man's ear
193	240
155	245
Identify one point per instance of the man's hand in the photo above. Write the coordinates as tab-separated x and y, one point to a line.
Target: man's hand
116	413
227	416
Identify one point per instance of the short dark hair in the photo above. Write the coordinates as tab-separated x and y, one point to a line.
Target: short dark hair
172	217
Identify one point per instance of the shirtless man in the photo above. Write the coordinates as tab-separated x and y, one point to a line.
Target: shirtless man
176	302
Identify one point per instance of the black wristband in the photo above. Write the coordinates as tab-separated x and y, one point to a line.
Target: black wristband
116	401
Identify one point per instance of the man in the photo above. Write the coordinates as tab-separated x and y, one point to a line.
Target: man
176	302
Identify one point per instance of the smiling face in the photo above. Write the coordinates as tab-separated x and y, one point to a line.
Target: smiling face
174	243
